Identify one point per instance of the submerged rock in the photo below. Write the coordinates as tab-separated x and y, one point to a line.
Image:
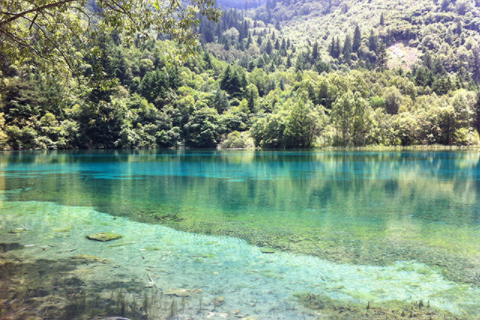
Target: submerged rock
18	230
104	236
266	250
181	292
219	301
90	259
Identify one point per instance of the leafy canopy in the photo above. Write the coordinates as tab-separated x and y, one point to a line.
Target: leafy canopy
50	30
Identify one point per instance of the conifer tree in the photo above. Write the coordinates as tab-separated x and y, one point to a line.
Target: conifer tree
382	57
347	49
373	42
220	101
357	39
458	28
269	47
315	51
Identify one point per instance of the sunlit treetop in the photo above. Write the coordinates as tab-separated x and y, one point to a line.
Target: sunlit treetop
52	31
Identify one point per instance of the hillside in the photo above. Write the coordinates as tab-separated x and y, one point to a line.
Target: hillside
283	75
447	30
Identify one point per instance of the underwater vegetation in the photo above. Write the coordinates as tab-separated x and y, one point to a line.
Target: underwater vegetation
52	289
328	308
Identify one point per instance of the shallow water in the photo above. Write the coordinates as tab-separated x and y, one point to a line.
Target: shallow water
355	226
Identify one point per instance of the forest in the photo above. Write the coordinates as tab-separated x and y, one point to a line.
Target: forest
284	74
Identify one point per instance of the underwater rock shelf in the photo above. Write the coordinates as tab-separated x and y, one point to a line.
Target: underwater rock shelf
248	280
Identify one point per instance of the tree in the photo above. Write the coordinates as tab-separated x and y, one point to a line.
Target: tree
361	120
477	112
382	20
459	28
347	49
335	48
382	57
269	47
373	41
343	116
394	100
357	39
220	101
202	130
476	64
50	30
302	126
315	51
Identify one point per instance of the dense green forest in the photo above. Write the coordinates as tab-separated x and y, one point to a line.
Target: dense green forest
286	74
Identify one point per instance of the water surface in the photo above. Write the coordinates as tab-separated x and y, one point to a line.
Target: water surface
355	226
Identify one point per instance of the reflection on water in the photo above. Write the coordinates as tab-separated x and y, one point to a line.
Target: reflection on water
366	208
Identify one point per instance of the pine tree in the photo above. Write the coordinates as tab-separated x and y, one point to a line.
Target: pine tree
458	28
208	60
251	101
269	47
373	42
382	20
449	37
277	25
357	39
225	79
347	49
337	48
332	48
311	93
220	101
245	29
315	51
427	60
382	57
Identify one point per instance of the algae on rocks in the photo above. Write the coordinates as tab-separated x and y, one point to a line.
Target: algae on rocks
104	236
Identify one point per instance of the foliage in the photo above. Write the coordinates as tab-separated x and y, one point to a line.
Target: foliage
52	31
256	82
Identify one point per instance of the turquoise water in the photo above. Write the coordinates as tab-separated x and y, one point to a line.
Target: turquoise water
353	226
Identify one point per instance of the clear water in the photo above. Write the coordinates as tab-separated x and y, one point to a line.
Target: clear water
355	226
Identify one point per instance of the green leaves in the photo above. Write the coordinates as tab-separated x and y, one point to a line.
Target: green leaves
49	30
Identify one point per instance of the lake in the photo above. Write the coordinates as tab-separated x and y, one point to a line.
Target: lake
239	234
